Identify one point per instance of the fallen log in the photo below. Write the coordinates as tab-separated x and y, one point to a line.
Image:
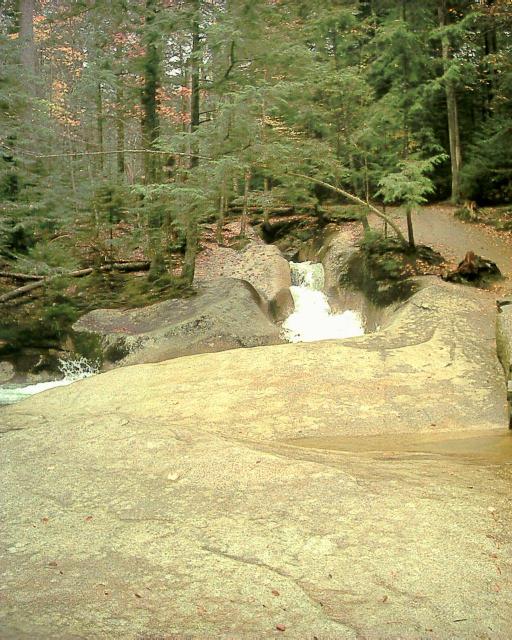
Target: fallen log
125	267
235	208
20	276
21	291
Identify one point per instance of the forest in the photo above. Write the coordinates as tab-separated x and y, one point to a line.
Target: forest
124	126
256	319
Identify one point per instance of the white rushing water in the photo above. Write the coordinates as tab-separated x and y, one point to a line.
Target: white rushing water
313	319
72	370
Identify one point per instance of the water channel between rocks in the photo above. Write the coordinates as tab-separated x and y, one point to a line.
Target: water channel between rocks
492	447
313	318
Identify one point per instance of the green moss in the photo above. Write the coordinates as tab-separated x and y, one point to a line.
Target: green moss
389	260
88	346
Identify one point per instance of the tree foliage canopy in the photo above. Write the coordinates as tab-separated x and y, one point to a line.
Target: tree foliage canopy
180	107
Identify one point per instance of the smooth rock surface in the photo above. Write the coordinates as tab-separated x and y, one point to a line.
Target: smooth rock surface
260	264
226	313
197	498
336	255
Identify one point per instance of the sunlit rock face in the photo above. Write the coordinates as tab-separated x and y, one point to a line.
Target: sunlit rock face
313	319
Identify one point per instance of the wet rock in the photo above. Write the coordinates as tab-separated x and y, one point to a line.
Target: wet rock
225	314
336	258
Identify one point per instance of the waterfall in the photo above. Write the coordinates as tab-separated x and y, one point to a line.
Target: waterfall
72	370
313	319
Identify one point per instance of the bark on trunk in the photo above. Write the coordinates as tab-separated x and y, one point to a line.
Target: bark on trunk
266	195
149	97
28	49
222	214
99	127
191	229
245	211
120	131
410	231
120	126
189	261
452	107
194	80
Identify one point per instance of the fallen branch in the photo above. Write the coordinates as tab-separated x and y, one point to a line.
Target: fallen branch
355	199
235	208
21	291
20	276
73	154
125	267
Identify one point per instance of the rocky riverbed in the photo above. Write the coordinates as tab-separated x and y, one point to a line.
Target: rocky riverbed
217	495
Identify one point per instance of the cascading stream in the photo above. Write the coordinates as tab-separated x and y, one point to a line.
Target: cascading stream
313	319
72	370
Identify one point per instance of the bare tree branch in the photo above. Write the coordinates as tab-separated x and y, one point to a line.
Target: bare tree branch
98	153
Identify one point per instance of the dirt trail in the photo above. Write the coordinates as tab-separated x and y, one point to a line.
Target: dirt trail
437	227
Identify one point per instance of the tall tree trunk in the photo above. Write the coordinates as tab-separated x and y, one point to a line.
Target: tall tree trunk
189	260
120	124
28	48
403	10
194	79
266	199
191	227
222	212
99	127
120	130
245	212
410	231
149	96
490	49
451	103
28	65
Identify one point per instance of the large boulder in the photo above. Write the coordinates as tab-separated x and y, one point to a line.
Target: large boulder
261	265
336	255
504	335
340	490
224	314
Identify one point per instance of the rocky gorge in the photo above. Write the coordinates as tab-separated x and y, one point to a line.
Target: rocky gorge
337	489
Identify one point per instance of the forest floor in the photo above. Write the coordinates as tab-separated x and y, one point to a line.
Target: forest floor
436	226
356	489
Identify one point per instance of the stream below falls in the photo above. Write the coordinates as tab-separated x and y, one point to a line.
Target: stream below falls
72	371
